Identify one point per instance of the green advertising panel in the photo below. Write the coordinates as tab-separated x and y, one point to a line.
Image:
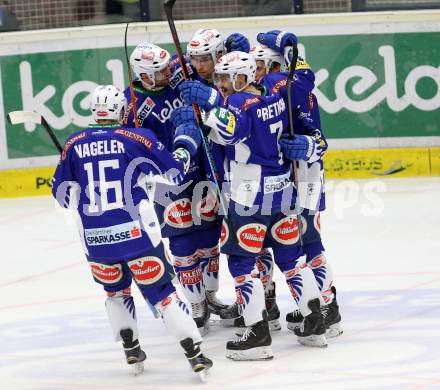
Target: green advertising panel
375	85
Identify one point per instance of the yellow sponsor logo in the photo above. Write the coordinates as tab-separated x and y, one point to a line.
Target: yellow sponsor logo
230	127
302	65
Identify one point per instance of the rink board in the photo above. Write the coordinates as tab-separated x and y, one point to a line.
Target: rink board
339	164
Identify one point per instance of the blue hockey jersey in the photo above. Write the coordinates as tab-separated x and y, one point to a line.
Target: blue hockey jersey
104	172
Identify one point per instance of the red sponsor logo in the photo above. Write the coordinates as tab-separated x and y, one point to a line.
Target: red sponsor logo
208	36
163	54
213	265
102	113
135	232
147	270
149	102
148	55
224	235
166	301
208	209
251	237
285	231
291	273
193	276
194	43
240	279
316	262
106	273
178	214
240	299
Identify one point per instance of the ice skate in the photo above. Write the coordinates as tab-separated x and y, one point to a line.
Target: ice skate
200	314
133	352
312	330
214	304
199	363
294	320
254	344
332	317
272	309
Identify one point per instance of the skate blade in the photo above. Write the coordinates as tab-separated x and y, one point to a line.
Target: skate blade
137	368
293	325
316	341
274	325
334	330
253	354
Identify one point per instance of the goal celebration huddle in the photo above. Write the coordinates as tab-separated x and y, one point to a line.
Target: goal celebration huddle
218	151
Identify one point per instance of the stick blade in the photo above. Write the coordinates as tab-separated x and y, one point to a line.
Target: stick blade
18	117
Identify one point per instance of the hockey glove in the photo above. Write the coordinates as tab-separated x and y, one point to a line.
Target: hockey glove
199	93
302	147
188	136
237	42
182	115
277	40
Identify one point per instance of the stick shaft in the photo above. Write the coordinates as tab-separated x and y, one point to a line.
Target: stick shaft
169	14
130	80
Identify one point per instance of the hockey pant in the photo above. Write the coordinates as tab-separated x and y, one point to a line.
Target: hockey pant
153	274
196	262
253	233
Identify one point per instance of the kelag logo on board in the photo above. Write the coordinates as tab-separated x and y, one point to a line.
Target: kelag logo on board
378	85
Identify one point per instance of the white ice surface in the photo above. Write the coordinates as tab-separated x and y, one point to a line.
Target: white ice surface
382	239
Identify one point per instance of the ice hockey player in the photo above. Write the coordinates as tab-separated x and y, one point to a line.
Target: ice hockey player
270	60
194	245
204	50
102	173
306	117
262	194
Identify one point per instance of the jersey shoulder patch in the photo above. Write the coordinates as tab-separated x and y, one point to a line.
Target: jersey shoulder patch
136	136
69	143
301	64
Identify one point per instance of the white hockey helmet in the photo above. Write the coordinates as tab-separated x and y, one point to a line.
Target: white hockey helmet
149	58
206	41
266	54
108	102
235	63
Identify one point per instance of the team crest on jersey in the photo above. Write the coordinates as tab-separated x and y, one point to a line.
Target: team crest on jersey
107	274
147	270
145	109
178	214
251	237
224	235
317	222
285	231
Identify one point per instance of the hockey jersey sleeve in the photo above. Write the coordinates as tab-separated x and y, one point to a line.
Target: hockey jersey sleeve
65	187
230	125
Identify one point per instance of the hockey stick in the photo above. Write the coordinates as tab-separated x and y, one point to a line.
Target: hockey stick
168	8
130	80
292	68
19	117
